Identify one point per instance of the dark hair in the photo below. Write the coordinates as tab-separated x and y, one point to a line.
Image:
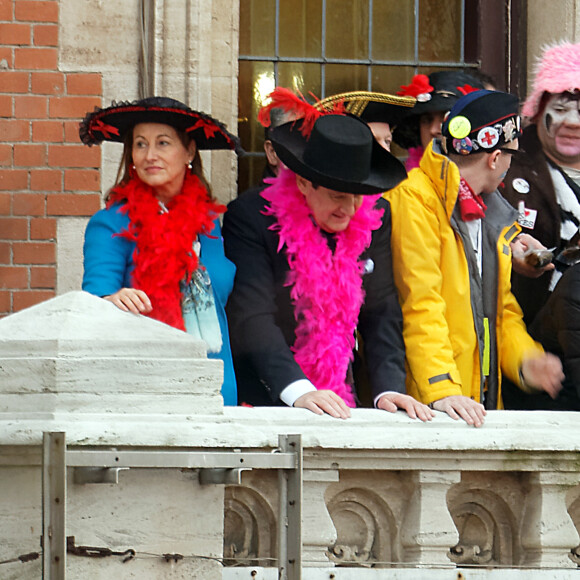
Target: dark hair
407	134
124	171
278	116
486	80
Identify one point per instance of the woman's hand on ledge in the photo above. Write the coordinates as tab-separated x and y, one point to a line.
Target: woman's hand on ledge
131	300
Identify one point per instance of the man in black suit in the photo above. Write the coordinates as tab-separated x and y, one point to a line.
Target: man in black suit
313	261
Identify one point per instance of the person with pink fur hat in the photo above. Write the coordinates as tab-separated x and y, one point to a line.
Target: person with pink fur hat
544	184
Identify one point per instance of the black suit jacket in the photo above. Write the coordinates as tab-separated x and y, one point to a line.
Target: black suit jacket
557	327
261	314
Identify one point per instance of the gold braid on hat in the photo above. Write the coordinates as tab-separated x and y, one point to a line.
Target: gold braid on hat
355	102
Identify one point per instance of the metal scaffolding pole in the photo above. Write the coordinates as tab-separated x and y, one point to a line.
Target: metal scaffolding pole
53	506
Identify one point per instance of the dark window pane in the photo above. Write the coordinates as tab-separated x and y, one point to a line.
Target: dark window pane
388	79
300	28
256	81
440	30
341	78
345	37
257	26
394	30
347	29
300	76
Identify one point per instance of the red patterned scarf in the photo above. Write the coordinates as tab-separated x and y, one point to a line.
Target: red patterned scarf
164	255
326	287
471	206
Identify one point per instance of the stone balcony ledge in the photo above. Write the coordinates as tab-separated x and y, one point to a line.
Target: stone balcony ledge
378	490
503	431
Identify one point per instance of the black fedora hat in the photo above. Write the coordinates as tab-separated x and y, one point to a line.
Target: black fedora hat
370	106
340	154
112	123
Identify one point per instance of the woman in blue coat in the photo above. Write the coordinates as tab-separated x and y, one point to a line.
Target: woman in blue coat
156	249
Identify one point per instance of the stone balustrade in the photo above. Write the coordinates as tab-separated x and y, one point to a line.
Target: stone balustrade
436	500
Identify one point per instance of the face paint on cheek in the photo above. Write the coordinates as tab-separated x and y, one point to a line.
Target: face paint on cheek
548	122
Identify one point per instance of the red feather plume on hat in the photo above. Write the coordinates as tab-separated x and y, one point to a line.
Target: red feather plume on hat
419	85
466	89
297	108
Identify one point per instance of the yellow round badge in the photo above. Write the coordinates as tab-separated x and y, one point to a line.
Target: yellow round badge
459	127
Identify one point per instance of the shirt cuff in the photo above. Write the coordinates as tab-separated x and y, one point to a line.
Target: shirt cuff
376	399
295	390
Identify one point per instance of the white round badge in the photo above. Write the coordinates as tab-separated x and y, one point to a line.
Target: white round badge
521	185
488	137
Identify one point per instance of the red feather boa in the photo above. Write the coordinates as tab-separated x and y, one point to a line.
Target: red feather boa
326	287
164	255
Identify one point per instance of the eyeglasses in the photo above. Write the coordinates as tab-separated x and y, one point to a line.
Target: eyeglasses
516	152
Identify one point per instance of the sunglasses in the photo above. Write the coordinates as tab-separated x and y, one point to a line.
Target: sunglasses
516	152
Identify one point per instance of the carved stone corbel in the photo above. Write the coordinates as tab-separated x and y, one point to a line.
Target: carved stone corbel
318	531
428	529
548	534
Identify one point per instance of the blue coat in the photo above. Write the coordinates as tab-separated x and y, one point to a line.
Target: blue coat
108	263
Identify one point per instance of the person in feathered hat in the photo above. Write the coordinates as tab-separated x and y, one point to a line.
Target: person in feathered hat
156	248
382	112
451	232
544	185
435	95
313	265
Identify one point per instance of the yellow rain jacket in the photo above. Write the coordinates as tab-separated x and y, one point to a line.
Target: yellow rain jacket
460	328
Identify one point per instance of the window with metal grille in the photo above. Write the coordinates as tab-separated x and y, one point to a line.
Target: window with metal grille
324	47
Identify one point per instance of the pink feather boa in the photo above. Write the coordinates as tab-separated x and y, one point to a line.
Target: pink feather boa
326	288
414	158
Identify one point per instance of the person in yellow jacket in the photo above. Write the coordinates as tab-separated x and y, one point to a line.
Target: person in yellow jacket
451	234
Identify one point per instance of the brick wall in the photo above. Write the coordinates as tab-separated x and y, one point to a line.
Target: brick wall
45	172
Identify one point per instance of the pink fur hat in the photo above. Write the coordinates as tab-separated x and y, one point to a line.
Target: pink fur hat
557	71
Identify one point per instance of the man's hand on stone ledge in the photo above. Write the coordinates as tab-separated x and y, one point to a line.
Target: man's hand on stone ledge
459	406
393	401
324	401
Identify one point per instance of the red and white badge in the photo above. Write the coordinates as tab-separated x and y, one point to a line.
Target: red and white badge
488	137
526	217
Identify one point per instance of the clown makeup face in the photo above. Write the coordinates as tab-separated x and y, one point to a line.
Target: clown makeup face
559	129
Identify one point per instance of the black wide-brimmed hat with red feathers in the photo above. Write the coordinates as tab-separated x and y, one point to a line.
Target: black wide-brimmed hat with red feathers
437	92
112	123
332	149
